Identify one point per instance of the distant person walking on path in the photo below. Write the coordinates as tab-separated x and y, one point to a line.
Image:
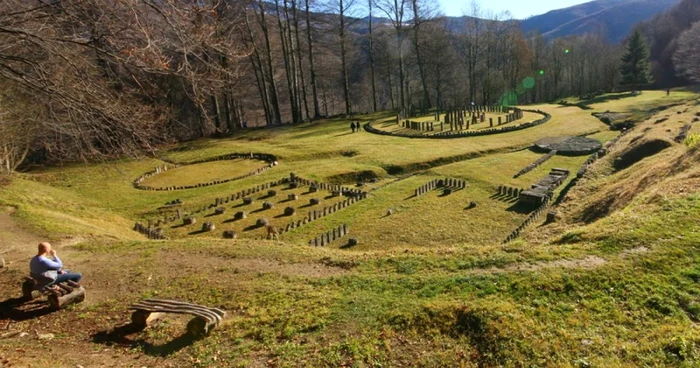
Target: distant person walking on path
357	126
46	271
352	126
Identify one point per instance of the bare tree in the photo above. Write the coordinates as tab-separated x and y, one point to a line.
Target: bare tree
370	7
395	10
688	53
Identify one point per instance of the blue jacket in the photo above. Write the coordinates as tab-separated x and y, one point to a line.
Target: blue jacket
44	270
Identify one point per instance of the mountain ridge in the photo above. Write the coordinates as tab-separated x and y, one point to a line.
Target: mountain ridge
614	19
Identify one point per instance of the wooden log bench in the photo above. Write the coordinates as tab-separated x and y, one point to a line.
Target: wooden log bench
68	292
150	310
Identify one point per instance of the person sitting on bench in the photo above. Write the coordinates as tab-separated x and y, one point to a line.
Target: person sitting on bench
46	271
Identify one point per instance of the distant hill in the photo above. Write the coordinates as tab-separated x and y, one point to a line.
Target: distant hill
615	18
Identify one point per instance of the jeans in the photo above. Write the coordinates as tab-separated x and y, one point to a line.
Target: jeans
75	277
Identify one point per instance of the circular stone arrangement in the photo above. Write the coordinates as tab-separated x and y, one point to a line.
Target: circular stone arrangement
462	134
569	146
270	160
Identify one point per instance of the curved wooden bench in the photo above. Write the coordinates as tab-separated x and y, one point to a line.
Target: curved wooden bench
149	310
69	293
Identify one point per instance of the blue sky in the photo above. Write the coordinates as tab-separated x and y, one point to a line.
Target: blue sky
519	8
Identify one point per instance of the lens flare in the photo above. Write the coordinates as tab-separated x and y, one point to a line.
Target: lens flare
509	98
566	51
529	82
541	72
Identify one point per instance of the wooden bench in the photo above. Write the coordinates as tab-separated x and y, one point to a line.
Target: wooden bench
69	293
150	310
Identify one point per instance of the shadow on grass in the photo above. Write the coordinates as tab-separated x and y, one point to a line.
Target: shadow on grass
504	198
565	191
197	232
253	227
120	336
521	208
607	98
20	309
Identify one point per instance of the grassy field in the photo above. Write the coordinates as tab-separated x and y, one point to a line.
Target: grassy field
203	173
613	282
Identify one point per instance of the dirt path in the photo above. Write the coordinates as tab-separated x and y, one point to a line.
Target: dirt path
17	244
14	240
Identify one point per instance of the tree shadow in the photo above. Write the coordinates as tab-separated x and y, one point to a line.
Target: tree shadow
608	97
119	336
177	226
21	309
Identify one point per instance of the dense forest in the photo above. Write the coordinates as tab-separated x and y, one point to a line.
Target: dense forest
674	37
94	78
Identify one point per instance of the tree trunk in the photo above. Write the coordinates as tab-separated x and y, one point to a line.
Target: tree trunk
287	63
314	89
274	100
257	63
216	108
304	97
343	54
371	59
416	44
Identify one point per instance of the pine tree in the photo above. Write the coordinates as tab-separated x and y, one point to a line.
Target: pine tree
635	62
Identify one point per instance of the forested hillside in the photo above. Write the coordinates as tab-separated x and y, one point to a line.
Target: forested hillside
666	34
88	79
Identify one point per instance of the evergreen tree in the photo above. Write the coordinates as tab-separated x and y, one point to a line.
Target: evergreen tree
635	62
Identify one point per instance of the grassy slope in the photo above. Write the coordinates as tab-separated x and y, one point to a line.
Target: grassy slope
429	285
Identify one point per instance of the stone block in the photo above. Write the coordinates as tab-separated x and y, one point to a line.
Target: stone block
289	211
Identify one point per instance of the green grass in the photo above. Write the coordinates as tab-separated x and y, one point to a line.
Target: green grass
429	285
